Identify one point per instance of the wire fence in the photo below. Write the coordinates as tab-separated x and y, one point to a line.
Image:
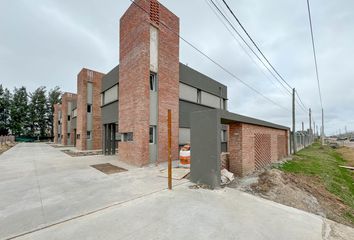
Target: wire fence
302	140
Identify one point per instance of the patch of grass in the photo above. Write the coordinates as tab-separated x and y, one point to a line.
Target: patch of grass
324	163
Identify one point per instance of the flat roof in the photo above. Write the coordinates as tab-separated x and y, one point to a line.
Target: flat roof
229	117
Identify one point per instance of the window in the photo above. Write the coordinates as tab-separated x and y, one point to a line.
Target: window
223	136
153	81
88	135
210	100
152	134
68	118
199	96
89	108
68	135
127	137
225	104
187	92
77	136
110	95
58	135
58	122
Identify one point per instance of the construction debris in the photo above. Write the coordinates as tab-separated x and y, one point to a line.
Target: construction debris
226	177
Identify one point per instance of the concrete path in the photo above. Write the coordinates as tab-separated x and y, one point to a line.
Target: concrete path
40	187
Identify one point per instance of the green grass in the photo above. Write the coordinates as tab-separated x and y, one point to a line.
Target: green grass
324	163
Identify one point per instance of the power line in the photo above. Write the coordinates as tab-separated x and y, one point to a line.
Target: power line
210	59
243	48
314	52
233	27
238	21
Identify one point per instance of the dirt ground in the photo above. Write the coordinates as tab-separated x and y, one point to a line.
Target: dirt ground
298	191
5	147
348	154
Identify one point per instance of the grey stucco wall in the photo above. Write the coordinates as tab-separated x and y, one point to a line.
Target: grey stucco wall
196	79
74	122
205	148
110	79
185	109
109	113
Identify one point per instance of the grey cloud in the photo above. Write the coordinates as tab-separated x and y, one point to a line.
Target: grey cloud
47	42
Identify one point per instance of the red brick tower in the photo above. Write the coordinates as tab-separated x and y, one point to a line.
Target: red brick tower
89	133
148	82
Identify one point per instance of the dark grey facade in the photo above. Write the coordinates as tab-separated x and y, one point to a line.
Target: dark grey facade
201	93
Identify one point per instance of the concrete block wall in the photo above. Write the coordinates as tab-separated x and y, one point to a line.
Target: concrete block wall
84	77
252	147
57	108
65	99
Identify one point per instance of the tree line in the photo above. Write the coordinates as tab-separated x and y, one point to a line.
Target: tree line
30	114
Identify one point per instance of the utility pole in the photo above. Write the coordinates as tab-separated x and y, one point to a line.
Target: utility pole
169	127
322	133
310	125
310	120
294	131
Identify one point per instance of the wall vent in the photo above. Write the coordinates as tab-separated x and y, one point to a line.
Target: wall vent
155	11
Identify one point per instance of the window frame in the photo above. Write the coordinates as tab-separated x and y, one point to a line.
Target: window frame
89	106
153	127
153	81
88	135
199	96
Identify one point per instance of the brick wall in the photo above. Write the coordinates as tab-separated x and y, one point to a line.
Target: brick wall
65	99
168	82
134	71
83	78
252	147
57	108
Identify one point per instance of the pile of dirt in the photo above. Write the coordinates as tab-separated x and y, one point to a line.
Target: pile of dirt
303	192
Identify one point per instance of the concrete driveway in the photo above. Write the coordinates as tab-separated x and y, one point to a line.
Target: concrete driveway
45	194
40	185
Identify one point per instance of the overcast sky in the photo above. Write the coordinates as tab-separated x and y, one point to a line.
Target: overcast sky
47	42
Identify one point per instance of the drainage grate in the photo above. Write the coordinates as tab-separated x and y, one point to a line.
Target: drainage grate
108	168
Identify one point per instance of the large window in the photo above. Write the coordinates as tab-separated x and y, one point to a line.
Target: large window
187	92
152	134
210	100
153	82
110	95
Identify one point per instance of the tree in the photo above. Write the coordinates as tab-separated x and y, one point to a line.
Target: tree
54	97
5	103
19	111
38	112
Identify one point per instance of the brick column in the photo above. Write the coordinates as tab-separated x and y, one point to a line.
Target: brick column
84	77
134	72
57	108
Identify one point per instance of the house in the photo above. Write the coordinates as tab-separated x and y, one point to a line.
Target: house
124	112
